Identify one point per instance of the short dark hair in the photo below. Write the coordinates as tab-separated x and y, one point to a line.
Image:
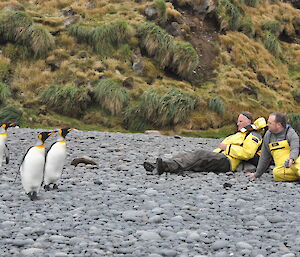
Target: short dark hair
248	115
280	118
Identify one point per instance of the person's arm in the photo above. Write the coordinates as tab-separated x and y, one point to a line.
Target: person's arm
293	140
264	161
247	150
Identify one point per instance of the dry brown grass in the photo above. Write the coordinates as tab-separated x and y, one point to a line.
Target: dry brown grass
31	77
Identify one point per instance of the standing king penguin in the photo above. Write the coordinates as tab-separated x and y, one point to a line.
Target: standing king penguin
32	166
55	160
3	147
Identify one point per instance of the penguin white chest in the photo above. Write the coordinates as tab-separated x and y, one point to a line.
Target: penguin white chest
32	169
3	138
54	162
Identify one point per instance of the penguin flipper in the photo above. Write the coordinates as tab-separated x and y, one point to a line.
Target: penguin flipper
6	152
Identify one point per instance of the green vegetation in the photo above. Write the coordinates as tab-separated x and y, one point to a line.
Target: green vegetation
162	8
68	100
10	114
19	28
230	14
104	39
272	44
273	26
179	56
5	92
111	96
160	110
296	95
294	121
251	3
217	105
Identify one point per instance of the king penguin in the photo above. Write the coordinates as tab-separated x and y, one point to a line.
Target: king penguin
32	166
3	147
55	159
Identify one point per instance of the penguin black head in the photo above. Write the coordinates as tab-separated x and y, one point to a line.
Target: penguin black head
8	125
64	132
44	135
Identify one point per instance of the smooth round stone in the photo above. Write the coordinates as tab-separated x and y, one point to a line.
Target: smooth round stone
155	219
132	215
219	244
193	236
244	245
149	235
289	255
276	219
31	251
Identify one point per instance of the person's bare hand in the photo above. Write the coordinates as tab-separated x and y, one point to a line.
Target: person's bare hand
222	146
250	175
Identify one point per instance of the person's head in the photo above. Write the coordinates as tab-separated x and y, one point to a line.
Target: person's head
244	119
276	122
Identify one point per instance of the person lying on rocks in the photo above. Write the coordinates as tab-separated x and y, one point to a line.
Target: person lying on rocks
281	142
242	145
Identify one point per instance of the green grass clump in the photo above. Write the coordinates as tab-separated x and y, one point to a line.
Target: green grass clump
185	58
247	27
296	95
217	105
111	95
251	3
12	25
272	44
4	67
179	56
38	39
160	110
67	100
10	114
229	12
272	26
5	92
162	8
294	121
104	39
17	27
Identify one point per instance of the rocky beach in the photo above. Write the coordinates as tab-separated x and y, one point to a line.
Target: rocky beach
117	209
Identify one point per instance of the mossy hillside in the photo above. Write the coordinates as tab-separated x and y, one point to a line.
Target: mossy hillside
255	70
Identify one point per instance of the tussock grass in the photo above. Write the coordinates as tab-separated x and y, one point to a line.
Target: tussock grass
296	95
294	121
31	76
160	110
67	100
217	105
4	67
180	56
272	44
5	92
18	27
111	96
38	39
185	58
230	14
104	39
13	24
162	8
273	26
10	114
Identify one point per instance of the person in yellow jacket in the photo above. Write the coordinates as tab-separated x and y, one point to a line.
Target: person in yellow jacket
242	145
281	142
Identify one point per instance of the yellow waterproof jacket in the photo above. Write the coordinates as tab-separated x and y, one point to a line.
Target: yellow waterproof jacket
241	146
280	152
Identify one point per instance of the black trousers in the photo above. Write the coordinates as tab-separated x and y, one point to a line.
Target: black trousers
199	161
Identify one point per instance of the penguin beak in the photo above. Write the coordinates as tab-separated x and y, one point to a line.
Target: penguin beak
70	129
